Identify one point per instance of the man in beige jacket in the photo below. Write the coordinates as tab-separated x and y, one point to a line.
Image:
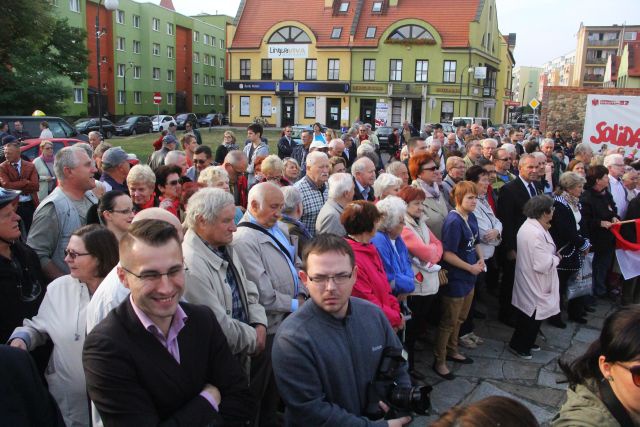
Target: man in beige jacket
217	276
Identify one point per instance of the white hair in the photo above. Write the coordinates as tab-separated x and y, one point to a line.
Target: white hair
393	209
489	140
508	147
364	148
207	203
360	164
272	163
141	174
339	183
539	155
173	157
395	167
612	158
211	175
383	182
66	158
334	142
259	192
547	141
314	156
292	199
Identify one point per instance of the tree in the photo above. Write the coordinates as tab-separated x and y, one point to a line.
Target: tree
38	52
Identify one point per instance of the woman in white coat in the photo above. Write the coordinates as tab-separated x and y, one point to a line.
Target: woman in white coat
91	253
536	286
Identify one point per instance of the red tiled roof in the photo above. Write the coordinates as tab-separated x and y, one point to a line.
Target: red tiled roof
451	19
634	59
167	4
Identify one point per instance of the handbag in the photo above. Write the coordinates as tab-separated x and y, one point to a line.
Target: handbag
426	283
581	283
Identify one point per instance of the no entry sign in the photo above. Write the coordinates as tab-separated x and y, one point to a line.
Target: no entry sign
157	98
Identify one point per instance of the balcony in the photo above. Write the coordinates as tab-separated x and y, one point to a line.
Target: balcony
613	42
596	60
595	78
488	92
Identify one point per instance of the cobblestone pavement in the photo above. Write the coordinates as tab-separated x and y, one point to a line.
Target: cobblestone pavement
496	371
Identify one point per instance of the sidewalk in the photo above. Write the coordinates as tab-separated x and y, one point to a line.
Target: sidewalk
496	371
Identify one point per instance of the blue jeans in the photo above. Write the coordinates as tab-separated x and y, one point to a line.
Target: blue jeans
601	265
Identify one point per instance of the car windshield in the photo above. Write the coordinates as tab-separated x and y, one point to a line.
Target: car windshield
210	116
181	116
126	120
155	118
81	122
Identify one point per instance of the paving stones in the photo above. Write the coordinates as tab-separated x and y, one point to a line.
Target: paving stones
587	335
520	371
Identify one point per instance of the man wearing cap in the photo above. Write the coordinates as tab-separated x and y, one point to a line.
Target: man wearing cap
319	146
16	174
115	168
169	143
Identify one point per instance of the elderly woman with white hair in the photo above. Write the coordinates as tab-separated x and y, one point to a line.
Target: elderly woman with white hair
291	214
272	170
217	177
141	181
386	185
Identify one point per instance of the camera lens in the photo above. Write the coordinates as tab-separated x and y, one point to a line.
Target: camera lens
415	399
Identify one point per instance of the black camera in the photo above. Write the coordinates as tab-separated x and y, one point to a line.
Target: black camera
402	400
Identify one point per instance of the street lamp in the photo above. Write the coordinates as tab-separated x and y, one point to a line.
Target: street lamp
124	87
110	5
469	71
524	92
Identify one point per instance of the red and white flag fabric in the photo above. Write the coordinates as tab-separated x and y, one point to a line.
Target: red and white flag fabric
627	253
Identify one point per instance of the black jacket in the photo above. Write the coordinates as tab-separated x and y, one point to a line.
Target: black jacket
628	231
598	207
512	198
565	235
357	195
134	381
285	147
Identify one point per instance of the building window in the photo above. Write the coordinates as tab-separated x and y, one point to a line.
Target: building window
449	72
136	46
287	69
196	36
310	108
289	35
137	97
206	100
213	41
196	78
333	69
344	6
422	70
213	61
120	16
196	99
245	108
221	44
311	69
205	82
377	6
411	32
156	49
371	32
245	69
155	24
446	114
170	98
221	62
205	38
170	75
221	81
120	97
196	57
205	59
336	32
78	95
395	70
221	99
136	21
120	70
137	72
169	51
156	73
369	67
120	43
74	6
265	73
169	28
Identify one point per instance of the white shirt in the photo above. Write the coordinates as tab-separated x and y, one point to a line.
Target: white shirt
619	196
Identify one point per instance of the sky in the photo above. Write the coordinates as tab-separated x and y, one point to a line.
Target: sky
545	29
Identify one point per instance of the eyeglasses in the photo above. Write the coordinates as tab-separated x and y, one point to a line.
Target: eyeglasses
274	178
506	159
201	161
173	183
122	211
635	373
155	276
339	279
432	168
74	254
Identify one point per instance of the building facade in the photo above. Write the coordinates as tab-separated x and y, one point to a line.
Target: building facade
376	61
557	72
525	84
144	49
595	45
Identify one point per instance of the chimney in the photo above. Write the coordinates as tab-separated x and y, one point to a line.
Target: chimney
167	4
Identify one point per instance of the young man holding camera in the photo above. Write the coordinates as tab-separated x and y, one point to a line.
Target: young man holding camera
327	352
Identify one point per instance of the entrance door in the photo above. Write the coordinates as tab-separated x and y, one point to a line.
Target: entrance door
333	113
416	113
288	111
368	111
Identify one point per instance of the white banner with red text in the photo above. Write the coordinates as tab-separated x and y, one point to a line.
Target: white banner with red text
612	121
627	252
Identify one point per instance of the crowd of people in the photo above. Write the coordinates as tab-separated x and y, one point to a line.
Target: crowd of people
221	286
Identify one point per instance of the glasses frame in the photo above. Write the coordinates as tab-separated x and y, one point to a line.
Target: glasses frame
155	279
339	280
634	371
73	255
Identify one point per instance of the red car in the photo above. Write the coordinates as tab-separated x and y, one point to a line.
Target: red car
30	148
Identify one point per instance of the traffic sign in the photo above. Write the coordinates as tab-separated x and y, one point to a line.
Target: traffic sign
534	103
157	98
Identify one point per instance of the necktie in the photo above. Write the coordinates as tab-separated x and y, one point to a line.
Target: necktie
532	190
16	166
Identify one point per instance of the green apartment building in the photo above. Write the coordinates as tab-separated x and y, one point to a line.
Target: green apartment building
145	49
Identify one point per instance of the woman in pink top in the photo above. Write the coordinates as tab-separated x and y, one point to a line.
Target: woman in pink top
360	219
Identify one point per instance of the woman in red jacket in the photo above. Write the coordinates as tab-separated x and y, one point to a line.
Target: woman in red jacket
360	219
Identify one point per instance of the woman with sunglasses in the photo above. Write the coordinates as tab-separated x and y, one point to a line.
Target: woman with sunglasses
425	175
169	187
114	211
91	253
604	383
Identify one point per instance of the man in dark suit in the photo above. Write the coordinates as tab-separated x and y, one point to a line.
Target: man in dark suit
154	360
364	175
513	197
17	174
286	144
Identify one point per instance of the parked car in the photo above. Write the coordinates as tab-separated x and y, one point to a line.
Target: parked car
132	125
383	133
213	119
161	122
463	121
447	128
31	125
31	147
89	124
183	118
296	131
